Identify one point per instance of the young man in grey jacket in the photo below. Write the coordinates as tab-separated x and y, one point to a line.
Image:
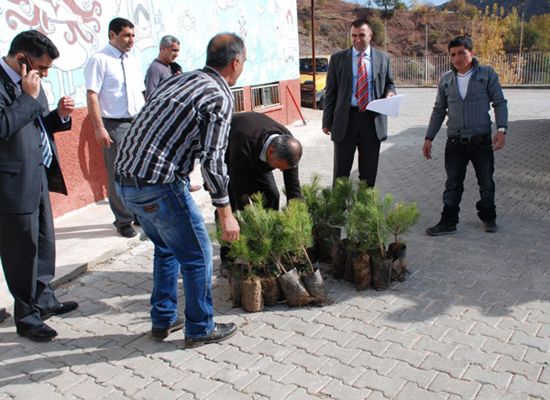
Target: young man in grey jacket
464	96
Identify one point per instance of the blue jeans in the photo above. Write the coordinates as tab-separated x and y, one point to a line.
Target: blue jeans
457	157
171	219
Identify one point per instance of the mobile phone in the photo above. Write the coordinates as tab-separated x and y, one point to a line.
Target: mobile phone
25	61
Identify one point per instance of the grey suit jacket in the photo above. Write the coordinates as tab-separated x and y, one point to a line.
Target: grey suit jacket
339	91
20	151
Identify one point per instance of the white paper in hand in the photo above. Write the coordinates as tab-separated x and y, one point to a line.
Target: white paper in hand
388	106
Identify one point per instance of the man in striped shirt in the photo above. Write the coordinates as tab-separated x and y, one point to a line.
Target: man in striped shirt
187	118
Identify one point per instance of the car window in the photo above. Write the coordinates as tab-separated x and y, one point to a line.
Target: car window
321	65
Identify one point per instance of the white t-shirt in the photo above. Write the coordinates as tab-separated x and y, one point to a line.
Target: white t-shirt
463	80
120	90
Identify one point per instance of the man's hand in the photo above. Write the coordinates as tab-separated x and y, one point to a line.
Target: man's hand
228	224
103	138
65	106
427	149
30	81
390	94
499	140
326	131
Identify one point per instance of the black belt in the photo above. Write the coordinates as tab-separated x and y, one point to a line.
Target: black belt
468	139
132	181
119	120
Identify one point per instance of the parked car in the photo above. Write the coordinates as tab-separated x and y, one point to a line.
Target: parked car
306	80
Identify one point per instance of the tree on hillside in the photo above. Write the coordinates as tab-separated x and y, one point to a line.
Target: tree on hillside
489	31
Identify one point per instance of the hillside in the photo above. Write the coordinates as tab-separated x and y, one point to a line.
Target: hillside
529	7
406	29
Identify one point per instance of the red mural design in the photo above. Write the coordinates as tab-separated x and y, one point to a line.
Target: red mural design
44	15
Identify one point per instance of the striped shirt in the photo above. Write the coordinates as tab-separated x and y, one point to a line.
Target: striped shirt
188	117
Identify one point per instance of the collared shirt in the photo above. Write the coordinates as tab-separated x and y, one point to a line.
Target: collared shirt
14	76
120	90
189	117
354	64
263	154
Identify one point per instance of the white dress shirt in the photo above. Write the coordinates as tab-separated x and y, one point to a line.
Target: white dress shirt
120	90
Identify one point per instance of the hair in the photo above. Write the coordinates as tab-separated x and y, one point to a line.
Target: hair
222	49
117	24
168	40
465	41
287	148
33	43
358	23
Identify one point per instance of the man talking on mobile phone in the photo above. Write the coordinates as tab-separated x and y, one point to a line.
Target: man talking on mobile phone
29	169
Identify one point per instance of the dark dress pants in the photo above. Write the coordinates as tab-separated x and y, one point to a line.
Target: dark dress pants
117	131
361	135
457	157
27	250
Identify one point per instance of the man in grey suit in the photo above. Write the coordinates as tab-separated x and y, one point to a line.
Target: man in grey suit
356	76
29	168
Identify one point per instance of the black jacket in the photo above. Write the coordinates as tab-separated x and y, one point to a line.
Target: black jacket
249	131
20	152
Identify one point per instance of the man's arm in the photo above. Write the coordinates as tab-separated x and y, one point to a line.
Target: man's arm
389	85
331	94
24	107
500	106
439	113
217	117
101	134
292	184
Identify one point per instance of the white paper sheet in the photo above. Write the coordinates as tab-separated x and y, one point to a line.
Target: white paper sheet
388	106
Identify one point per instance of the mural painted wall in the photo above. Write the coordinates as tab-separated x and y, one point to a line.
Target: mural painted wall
79	28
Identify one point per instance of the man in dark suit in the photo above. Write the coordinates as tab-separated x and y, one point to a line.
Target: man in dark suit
257	146
29	168
356	76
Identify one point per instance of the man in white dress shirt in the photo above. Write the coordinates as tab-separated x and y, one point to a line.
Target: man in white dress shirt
114	85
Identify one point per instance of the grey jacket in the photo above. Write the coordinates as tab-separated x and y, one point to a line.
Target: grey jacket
469	116
339	88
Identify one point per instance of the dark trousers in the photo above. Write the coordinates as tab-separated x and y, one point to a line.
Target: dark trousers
361	135
27	250
117	130
457	157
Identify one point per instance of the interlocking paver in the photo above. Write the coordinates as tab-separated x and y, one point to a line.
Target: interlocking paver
472	321
464	389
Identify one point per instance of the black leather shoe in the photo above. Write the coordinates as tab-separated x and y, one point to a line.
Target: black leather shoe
41	333
62	308
219	333
127	231
441	229
159	334
490	226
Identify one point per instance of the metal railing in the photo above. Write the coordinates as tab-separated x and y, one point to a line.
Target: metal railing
513	69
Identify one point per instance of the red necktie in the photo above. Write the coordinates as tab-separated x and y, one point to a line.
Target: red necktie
362	88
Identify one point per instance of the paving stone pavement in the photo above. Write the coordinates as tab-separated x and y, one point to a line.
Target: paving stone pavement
472	321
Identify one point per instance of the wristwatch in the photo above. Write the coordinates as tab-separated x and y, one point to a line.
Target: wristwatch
503	130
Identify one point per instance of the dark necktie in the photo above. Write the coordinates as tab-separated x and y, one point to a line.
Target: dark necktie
362	88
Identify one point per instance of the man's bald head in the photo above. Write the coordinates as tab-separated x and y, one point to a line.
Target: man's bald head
224	48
